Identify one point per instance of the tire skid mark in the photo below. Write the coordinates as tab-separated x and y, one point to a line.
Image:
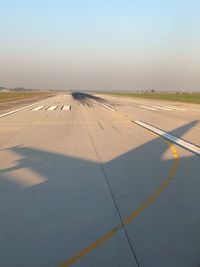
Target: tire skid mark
101	126
116	130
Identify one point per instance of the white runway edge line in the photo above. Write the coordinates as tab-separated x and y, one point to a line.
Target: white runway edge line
16	110
193	148
66	108
109	108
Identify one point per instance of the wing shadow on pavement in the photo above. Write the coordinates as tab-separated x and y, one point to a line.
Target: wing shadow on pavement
44	224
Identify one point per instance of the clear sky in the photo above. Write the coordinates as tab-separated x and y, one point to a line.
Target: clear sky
100	44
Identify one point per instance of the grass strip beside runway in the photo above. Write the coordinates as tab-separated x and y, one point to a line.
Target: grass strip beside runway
179	97
8	96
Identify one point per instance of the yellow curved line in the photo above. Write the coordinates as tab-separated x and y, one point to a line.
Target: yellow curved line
133	215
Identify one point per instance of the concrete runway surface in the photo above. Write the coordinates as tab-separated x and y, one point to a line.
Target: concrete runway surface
82	184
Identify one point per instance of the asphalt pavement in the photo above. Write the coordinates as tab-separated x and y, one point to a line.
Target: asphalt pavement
88	180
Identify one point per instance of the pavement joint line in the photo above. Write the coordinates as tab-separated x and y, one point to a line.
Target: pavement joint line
178	141
149	201
121	225
19	109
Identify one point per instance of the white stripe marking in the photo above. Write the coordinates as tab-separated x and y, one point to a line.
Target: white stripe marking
38	108
51	108
148	107
68	96
162	108
66	107
181	109
195	149
109	108
16	110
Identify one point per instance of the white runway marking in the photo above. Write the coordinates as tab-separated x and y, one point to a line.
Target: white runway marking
16	110
169	108
148	107
68	96
193	148
158	107
109	108
181	109
38	108
66	107
51	108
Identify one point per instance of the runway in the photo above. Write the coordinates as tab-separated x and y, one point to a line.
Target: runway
95	180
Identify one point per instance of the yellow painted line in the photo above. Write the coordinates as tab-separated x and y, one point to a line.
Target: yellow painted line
133	215
88	249
160	189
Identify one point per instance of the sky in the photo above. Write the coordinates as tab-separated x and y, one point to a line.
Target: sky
100	44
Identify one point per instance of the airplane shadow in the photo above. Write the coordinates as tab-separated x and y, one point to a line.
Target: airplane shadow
43	224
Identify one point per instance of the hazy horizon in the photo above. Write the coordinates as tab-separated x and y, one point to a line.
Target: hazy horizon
100	45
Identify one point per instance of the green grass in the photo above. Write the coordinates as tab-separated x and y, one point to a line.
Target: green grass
180	97
8	96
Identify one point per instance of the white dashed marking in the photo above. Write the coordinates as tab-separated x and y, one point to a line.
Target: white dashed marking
16	110
66	107
168	108
38	108
158	107
51	108
148	107
181	109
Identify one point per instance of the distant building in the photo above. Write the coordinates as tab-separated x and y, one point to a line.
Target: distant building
3	89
